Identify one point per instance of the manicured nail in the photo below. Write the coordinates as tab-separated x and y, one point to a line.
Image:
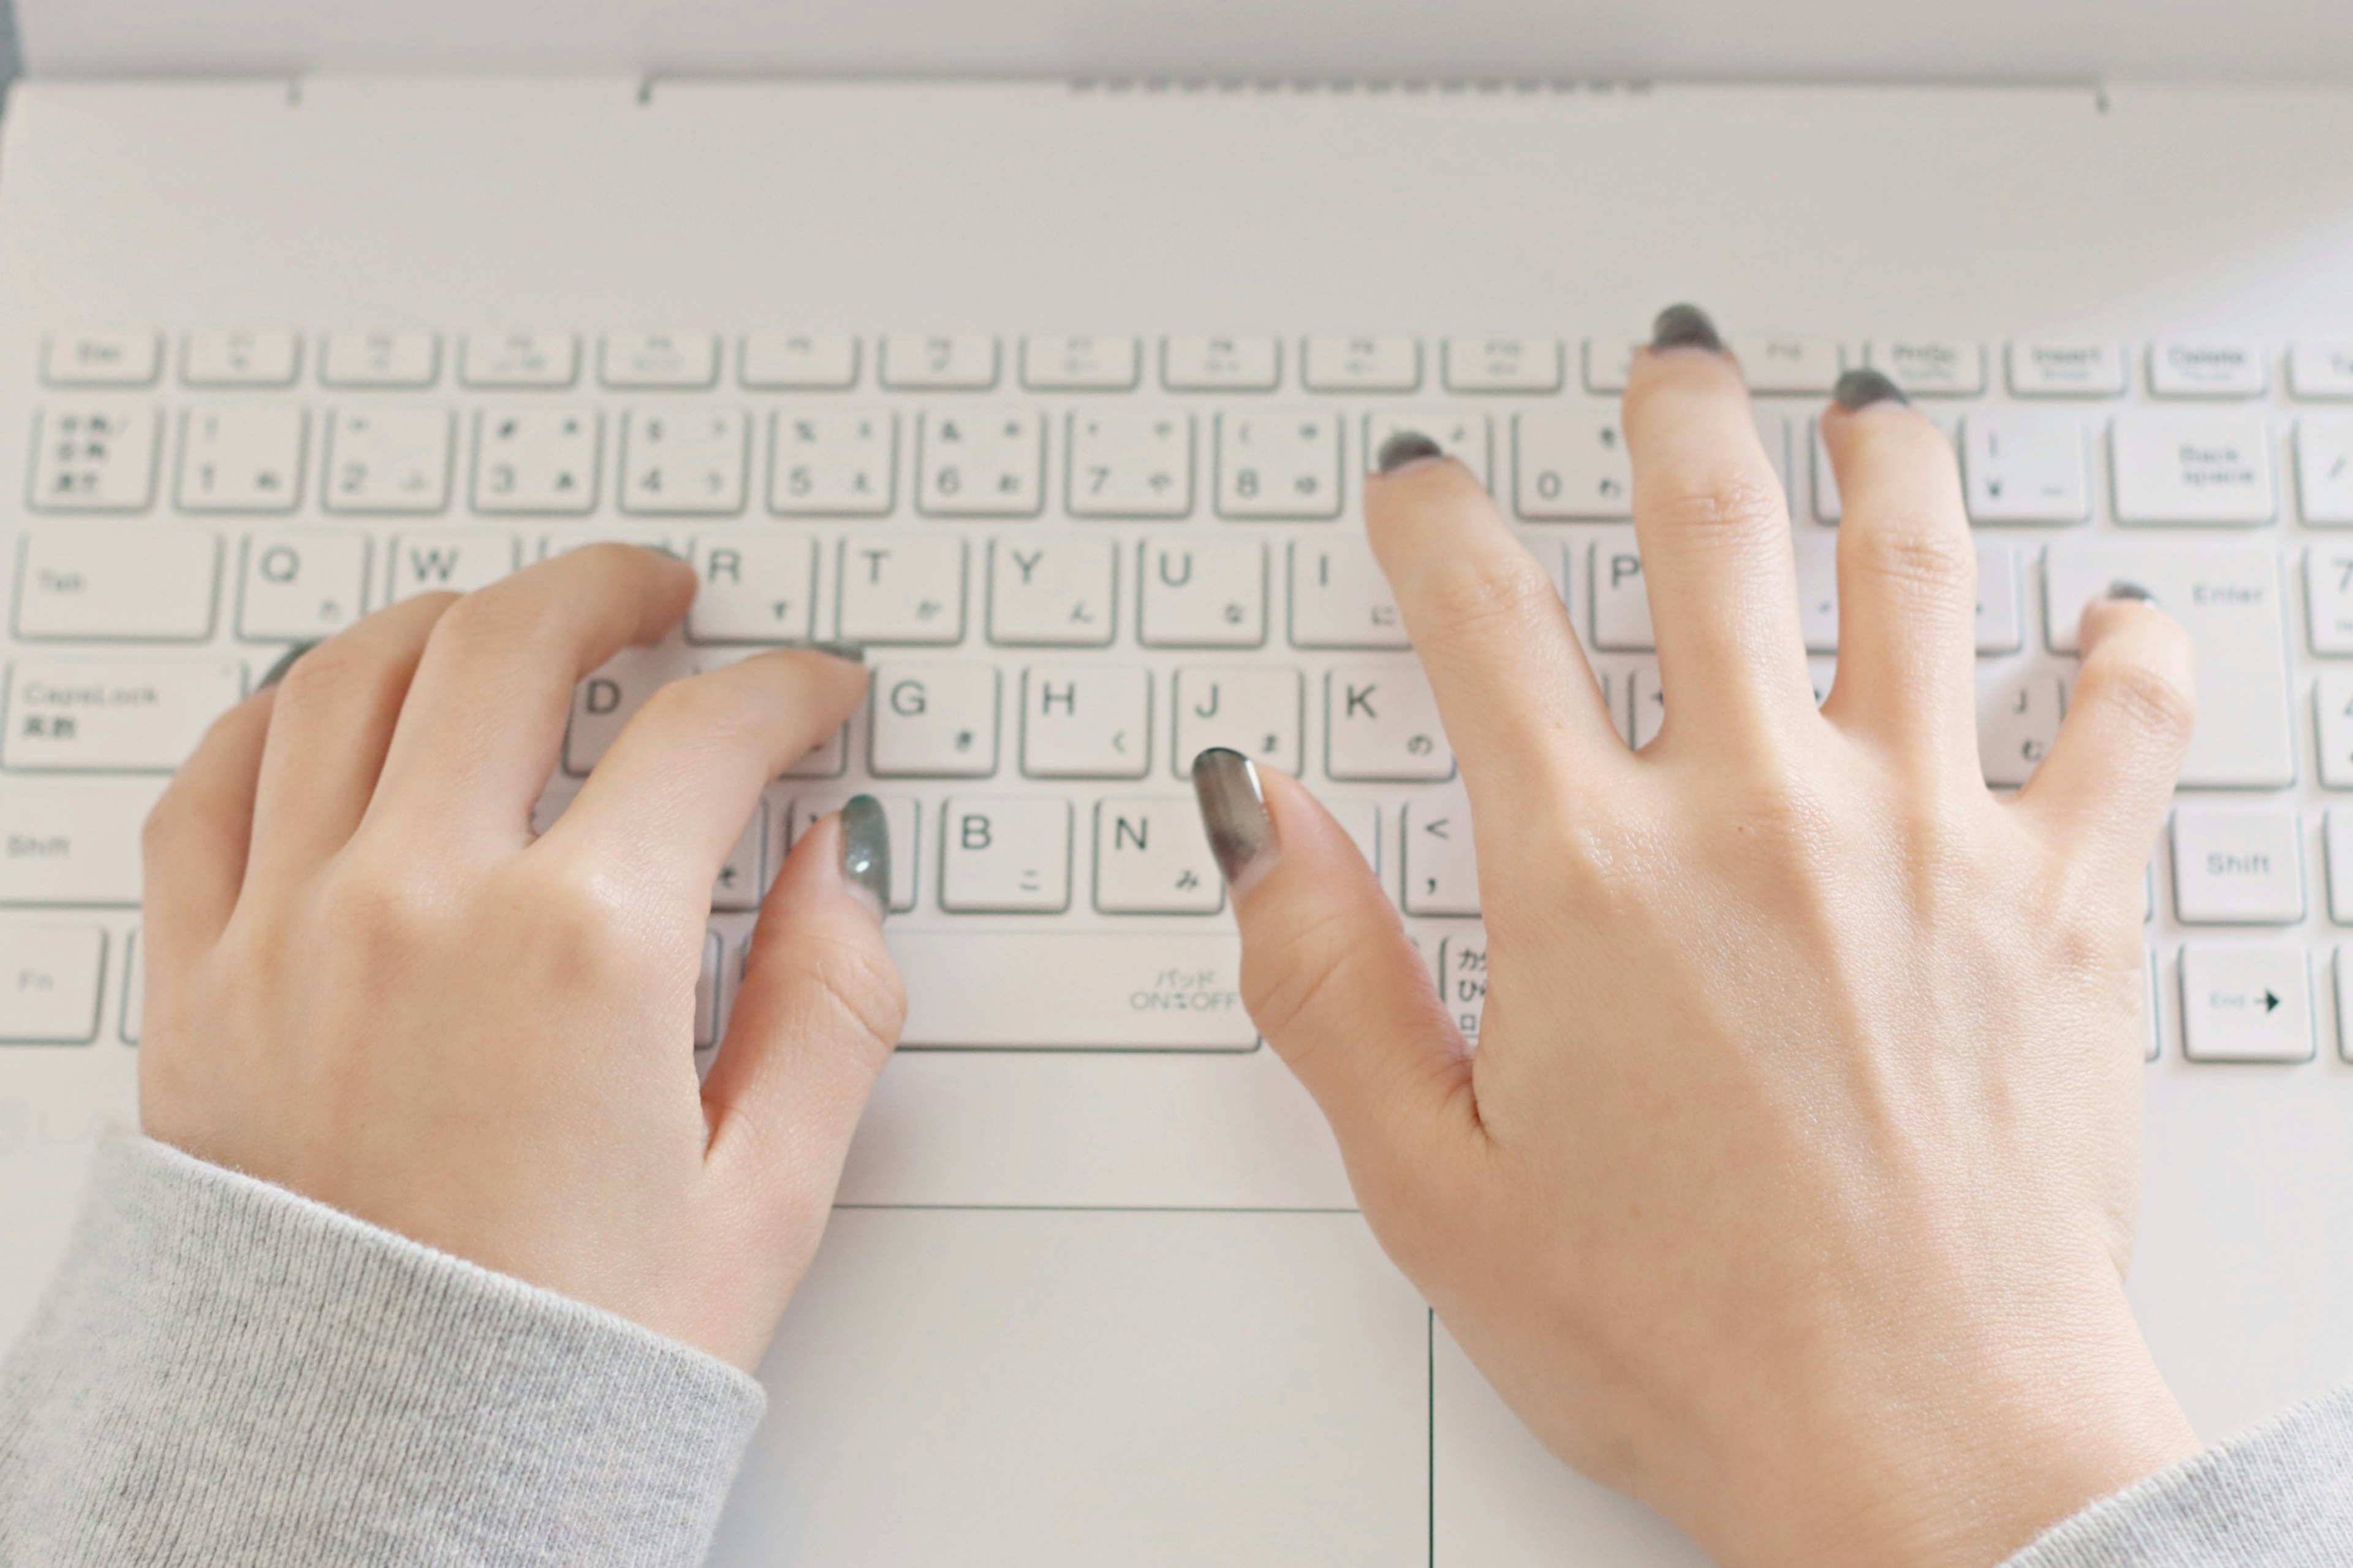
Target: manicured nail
1233	810
2121	589
1862	388
285	662
1407	447
1685	327
866	851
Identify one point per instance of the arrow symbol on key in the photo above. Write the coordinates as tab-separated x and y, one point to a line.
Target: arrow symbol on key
2271	1002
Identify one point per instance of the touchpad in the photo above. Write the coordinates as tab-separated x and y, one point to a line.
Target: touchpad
978	1387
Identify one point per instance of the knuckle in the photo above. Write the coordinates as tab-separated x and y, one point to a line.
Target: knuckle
1727	502
1505	594
1913	552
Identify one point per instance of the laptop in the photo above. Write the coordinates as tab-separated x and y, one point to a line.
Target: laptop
1039	347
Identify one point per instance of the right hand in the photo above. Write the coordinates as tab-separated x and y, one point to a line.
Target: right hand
1792	1185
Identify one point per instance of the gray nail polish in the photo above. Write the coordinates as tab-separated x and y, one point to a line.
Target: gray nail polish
2121	589
1685	327
285	662
1406	447
866	850
1862	388
1233	810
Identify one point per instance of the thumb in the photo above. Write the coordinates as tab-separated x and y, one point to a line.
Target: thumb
1328	973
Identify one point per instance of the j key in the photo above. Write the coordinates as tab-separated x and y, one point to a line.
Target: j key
1251	708
1152	858
756	587
92	457
1086	721
1007	855
910	590
72	715
1201	592
2019	714
50	975
118	583
934	720
1052	590
394	459
300	585
1381	722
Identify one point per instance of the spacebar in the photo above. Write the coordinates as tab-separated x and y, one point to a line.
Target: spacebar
1074	990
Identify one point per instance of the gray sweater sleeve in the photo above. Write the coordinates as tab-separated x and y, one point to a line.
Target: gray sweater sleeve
224	1372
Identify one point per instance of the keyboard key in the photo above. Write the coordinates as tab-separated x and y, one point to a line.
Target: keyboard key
2324	470
905	817
2336	833
1621	600
1441	867
1281	463
1806	366
448	560
542	460
2181	469
2025	466
1646	705
263	356
985	463
2237	868
129	585
755	587
2207	370
2332	707
605	702
73	841
386	360
1152	858
798	362
2066	370
2328	598
125	357
2000	622
1072	990
910	590
113	715
741	880
1462	436
2242	1004
1086	721
1046	590
91	457
50	975
952	362
1005	855
934	720
1931	367
1828	506
1077	362
2230	598
1360	364
1220	365
1202	593
301	584
1251	708
706	993
1502	364
519	360
688	461
242	457
1462	979
1380	722
2320	371
1818	607
838	462
1608	361
674	360
1131	463
388	460
2018	721
1340	599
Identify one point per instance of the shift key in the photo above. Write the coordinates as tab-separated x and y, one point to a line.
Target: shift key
72	840
2231	599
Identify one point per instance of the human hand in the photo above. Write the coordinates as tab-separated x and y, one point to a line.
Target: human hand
1792	1185
367	983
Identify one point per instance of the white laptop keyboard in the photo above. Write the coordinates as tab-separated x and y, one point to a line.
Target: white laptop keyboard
1076	561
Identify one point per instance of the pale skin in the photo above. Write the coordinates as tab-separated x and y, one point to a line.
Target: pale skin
1790	1188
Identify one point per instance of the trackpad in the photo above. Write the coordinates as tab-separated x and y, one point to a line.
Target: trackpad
984	1387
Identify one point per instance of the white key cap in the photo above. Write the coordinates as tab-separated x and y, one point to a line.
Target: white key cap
2237	868
934	720
49	980
1609	359
1790	366
2207	370
537	459
2190	469
242	457
73	840
2329	598
2019	715
1086	721
519	359
604	703
1931	367
1462	979
839	462
1380	722
1072	990
1201	592
2243	1004
2149	1015
2324	470
909	590
1621	600
683	461
1462	436
386	360
1572	465
658	360
1131	462
1502	364
135	585
905	819
2001	623
965	362
1152	858
451	559
1362	821
1646	705
74	715
985	463
388	459
2230	598
301	584
1079	361
1005	855
93	457
1360	364
1280	463
741	880
756	587
2025	466
1052	590
2332	711
2320	371
1441	867
2336	830
706	993
122	357
1220	365
261	356
1339	598
1827	504
1818	606
2066	370
798	362
1251	708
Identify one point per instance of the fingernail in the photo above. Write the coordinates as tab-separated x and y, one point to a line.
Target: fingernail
2121	589
1862	388
285	662
1407	447
866	851
1233	810
1685	327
